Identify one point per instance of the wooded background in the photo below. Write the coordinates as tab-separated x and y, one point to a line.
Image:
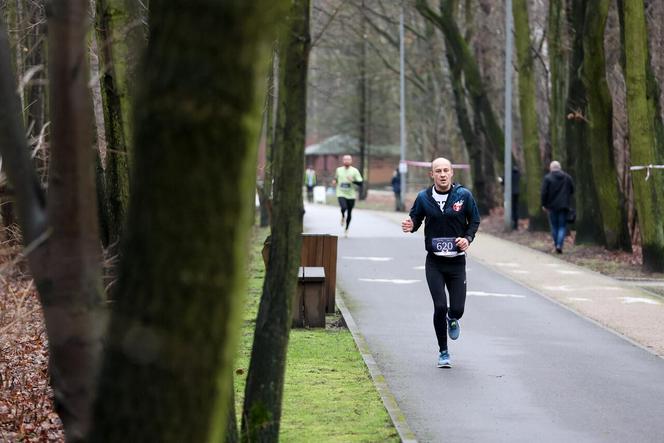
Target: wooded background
129	132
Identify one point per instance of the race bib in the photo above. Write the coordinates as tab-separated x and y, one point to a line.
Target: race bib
444	246
344	185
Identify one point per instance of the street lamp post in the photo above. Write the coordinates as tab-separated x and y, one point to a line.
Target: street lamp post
508	116
403	167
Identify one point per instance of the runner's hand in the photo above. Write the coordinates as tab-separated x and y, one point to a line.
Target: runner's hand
407	225
462	243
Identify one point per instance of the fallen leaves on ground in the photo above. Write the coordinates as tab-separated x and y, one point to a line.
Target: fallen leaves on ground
26	399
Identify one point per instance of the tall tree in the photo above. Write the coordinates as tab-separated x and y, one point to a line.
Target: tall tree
485	118
528	113
112	49
599	134
61	234
558	61
588	223
167	368
647	193
264	389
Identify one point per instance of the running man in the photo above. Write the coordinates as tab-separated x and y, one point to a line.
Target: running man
451	220
344	178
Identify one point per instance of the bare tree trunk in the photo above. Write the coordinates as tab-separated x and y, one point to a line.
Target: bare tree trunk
167	369
600	134
62	234
271	101
528	114
264	390
588	222
558	62
109	25
641	136
74	268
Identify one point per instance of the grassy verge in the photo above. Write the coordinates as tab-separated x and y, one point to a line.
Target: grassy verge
328	393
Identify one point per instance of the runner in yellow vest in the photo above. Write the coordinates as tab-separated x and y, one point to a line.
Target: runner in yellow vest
344	178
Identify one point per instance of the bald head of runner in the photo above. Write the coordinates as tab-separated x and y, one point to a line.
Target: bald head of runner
442	173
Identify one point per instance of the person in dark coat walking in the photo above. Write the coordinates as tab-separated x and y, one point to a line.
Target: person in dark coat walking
556	198
396	188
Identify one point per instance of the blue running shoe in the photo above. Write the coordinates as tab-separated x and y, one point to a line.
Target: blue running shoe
444	360
453	328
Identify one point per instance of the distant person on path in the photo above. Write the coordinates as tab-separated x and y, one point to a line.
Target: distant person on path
556	196
516	183
344	178
310	182
451	220
396	188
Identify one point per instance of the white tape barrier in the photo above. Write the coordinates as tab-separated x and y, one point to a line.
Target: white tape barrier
647	168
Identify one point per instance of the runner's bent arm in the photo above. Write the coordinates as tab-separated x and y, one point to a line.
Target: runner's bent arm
417	214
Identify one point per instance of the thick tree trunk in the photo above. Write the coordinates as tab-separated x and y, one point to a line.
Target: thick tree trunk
112	52
265	192
65	259
600	134
528	113
558	64
167	370
588	222
647	193
264	390
71	292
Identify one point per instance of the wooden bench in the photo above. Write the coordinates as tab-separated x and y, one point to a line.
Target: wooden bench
309	302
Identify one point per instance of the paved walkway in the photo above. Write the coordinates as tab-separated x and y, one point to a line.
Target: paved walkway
524	368
616	304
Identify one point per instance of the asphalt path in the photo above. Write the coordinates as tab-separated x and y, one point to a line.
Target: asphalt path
524	368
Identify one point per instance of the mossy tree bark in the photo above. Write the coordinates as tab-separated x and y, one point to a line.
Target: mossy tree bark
528	114
167	369
271	103
264	389
558	63
588	222
62	233
111	23
647	193
599	134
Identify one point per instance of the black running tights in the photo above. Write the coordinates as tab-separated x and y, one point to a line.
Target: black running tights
442	272
346	204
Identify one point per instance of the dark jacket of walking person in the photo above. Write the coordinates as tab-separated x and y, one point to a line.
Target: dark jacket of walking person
396	188
556	198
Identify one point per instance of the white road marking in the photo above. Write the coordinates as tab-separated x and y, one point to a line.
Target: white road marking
519	271
368	258
493	294
630	300
420	268
578	299
508	264
395	281
554	265
572	288
566	272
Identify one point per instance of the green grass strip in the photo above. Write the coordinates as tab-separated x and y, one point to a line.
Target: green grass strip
328	392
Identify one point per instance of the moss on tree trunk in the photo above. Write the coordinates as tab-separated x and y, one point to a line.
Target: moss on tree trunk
264	389
599	134
528	113
647	193
166	375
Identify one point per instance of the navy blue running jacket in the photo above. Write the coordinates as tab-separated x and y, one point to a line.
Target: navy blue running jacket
460	217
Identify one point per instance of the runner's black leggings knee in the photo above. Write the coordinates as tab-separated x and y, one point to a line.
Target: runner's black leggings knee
442	272
346	204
